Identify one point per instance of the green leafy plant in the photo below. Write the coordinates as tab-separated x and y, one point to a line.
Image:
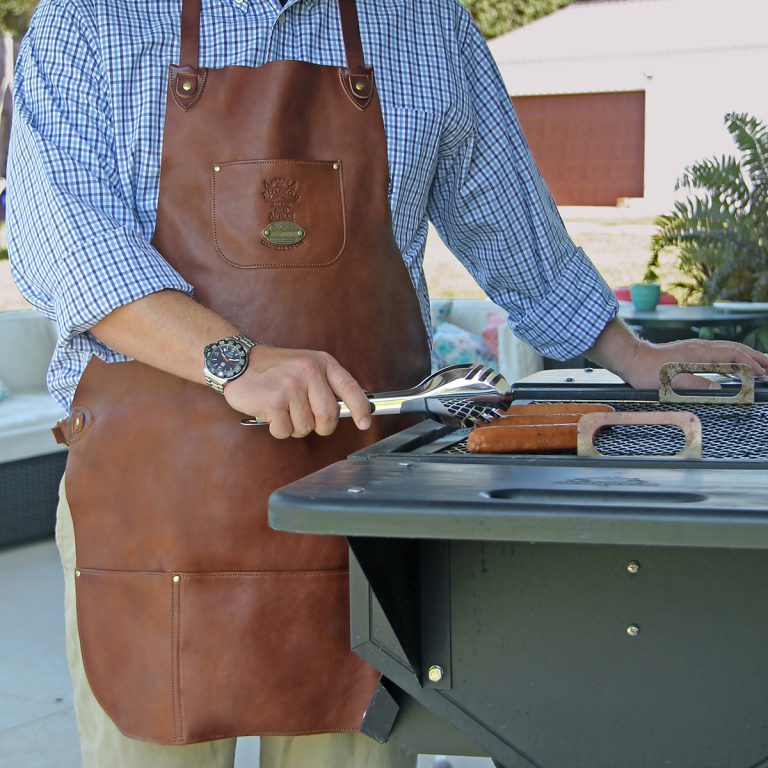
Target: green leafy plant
720	232
495	17
15	15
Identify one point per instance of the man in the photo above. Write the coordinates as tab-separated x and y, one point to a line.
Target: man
227	195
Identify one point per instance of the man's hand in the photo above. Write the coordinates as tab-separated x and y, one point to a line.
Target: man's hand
297	392
639	362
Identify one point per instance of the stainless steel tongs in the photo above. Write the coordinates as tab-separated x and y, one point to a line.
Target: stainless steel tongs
460	396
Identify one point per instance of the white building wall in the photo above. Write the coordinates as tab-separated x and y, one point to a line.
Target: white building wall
688	92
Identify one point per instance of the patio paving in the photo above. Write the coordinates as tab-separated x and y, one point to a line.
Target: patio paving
37	720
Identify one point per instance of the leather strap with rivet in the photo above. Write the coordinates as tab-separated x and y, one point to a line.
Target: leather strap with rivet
356	78
72	427
187	79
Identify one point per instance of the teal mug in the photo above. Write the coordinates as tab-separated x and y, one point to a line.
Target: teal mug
645	296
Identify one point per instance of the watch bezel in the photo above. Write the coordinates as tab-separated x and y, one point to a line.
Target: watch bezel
217	378
231	342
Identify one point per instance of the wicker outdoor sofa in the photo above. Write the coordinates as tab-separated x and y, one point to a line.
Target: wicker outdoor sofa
31	464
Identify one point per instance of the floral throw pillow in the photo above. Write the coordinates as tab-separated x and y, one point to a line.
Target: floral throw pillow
455	346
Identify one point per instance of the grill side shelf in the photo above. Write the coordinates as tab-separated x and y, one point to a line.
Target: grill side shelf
582	503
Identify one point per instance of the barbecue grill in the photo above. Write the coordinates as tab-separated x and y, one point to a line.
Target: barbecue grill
562	611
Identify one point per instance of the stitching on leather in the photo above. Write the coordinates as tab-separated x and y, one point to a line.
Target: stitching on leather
175	678
211	574
179	671
280	265
109	571
361	105
228	734
187	104
259	574
202	77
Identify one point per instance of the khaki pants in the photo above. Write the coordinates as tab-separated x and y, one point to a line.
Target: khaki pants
104	746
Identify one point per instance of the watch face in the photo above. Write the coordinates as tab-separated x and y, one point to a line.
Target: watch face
225	359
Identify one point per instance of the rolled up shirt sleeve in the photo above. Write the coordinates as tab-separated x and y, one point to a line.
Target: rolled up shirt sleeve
77	251
493	210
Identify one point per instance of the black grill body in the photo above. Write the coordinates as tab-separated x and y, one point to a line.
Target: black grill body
557	611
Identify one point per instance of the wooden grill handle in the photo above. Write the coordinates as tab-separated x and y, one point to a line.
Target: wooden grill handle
745	396
688	423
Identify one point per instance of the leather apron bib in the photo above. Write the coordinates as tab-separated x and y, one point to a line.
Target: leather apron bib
197	621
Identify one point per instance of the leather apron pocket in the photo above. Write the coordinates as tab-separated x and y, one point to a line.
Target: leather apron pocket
275	214
125	626
221	654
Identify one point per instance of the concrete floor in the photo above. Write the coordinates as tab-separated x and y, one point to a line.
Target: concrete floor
37	720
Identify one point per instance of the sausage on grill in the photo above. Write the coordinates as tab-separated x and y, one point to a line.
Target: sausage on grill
523	438
535	428
532	409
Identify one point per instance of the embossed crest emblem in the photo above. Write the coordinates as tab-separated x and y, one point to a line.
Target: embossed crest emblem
282	231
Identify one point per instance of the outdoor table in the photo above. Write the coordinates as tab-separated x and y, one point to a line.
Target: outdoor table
567	613
669	322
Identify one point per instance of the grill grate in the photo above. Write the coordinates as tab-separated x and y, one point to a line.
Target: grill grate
732	432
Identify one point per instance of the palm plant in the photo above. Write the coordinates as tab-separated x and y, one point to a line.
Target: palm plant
721	230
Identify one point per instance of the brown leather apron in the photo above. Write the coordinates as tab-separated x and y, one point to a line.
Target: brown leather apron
197	621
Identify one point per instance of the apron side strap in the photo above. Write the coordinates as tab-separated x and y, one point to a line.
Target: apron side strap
190	33
71	428
350	28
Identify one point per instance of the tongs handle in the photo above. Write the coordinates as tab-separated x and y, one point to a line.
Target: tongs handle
460	395
381	406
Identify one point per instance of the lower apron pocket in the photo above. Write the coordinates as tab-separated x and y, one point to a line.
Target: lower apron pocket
181	658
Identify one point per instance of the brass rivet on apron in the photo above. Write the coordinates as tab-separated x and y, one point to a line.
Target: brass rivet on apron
77	574
186	86
360	87
216	168
176	579
336	166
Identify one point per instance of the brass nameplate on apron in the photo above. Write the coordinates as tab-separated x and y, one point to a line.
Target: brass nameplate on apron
283	233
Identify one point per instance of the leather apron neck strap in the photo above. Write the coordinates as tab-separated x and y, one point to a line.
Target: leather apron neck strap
190	33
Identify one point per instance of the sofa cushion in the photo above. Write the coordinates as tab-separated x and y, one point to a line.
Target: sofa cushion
457	346
515	359
27	340
26	419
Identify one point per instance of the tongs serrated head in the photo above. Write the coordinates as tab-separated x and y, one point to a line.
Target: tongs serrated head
479	396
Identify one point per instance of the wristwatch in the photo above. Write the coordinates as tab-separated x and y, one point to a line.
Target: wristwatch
225	360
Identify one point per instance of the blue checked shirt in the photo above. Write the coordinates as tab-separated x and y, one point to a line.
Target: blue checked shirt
84	164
